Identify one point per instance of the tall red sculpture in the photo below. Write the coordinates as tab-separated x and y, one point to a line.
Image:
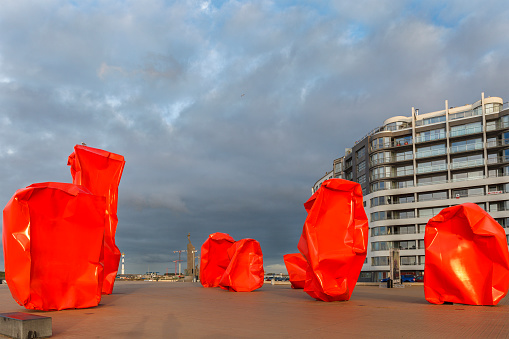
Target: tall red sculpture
245	269
100	171
296	265
467	260
53	236
214	258
334	240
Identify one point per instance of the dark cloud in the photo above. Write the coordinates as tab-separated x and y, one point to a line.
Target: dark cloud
227	112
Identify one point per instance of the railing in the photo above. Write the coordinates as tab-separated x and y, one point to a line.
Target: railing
467	163
380	161
432	168
465	131
466	147
405	172
502	142
430	153
466	114
431	137
476	177
498	160
498	125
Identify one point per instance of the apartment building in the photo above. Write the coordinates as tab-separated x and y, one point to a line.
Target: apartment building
412	167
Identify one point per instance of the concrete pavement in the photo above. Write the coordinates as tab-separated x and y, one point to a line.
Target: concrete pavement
187	310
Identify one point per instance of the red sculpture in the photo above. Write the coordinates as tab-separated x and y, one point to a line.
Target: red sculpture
53	235
467	260
296	265
334	240
100	171
214	258
245	269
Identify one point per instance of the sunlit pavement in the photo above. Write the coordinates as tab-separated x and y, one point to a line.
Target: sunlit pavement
187	310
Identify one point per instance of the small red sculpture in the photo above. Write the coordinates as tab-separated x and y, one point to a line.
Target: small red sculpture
296	265
214	258
467	259
334	240
53	238
100	171
245	270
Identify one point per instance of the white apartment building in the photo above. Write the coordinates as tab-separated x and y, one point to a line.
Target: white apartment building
412	167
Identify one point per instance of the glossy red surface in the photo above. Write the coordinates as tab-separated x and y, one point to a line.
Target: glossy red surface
334	240
53	236
245	269
467	259
100	171
296	265
214	258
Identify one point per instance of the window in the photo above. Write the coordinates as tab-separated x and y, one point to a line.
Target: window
361	179
431	166
472	175
404	184
380	158
408	260
404	214
380	261
403	141
380	246
406	245
381	143
437	179
361	166
404	170
492	108
380	172
410	229
377	201
408	155
422	228
429	212
421	260
466	145
475	127
348	163
433	134
438	195
361	153
403	199
421	244
429	151
382	185
432	120
467	161
382	230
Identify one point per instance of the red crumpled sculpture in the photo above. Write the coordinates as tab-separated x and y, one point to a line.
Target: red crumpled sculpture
214	258
245	269
296	265
53	236
100	171
467	259
334	240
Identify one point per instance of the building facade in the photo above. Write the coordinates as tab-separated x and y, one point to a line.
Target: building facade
412	167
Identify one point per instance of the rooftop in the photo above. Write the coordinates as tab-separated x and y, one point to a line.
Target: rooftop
187	310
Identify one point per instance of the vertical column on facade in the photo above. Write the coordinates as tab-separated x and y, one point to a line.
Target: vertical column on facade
414	161
447	146
484	140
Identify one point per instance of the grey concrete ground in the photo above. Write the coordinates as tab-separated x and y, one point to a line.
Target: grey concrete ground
187	310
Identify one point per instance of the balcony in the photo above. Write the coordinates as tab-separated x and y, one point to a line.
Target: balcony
465	131
498	160
497	143
431	168
467	163
402	173
498	125
431	137
430	153
466	147
466	114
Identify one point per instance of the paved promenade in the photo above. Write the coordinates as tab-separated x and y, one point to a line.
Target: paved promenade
187	310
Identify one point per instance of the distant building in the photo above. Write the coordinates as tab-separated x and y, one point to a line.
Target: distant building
316	186
412	167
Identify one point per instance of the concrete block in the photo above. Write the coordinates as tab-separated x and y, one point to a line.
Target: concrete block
21	325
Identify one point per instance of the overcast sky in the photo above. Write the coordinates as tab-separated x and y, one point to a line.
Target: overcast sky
227	112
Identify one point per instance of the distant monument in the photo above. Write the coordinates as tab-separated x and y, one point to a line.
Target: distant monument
190	270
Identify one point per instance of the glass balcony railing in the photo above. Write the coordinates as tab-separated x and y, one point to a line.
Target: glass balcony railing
465	131
466	147
430	153
495	143
467	163
430	137
431	168
402	173
498	160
